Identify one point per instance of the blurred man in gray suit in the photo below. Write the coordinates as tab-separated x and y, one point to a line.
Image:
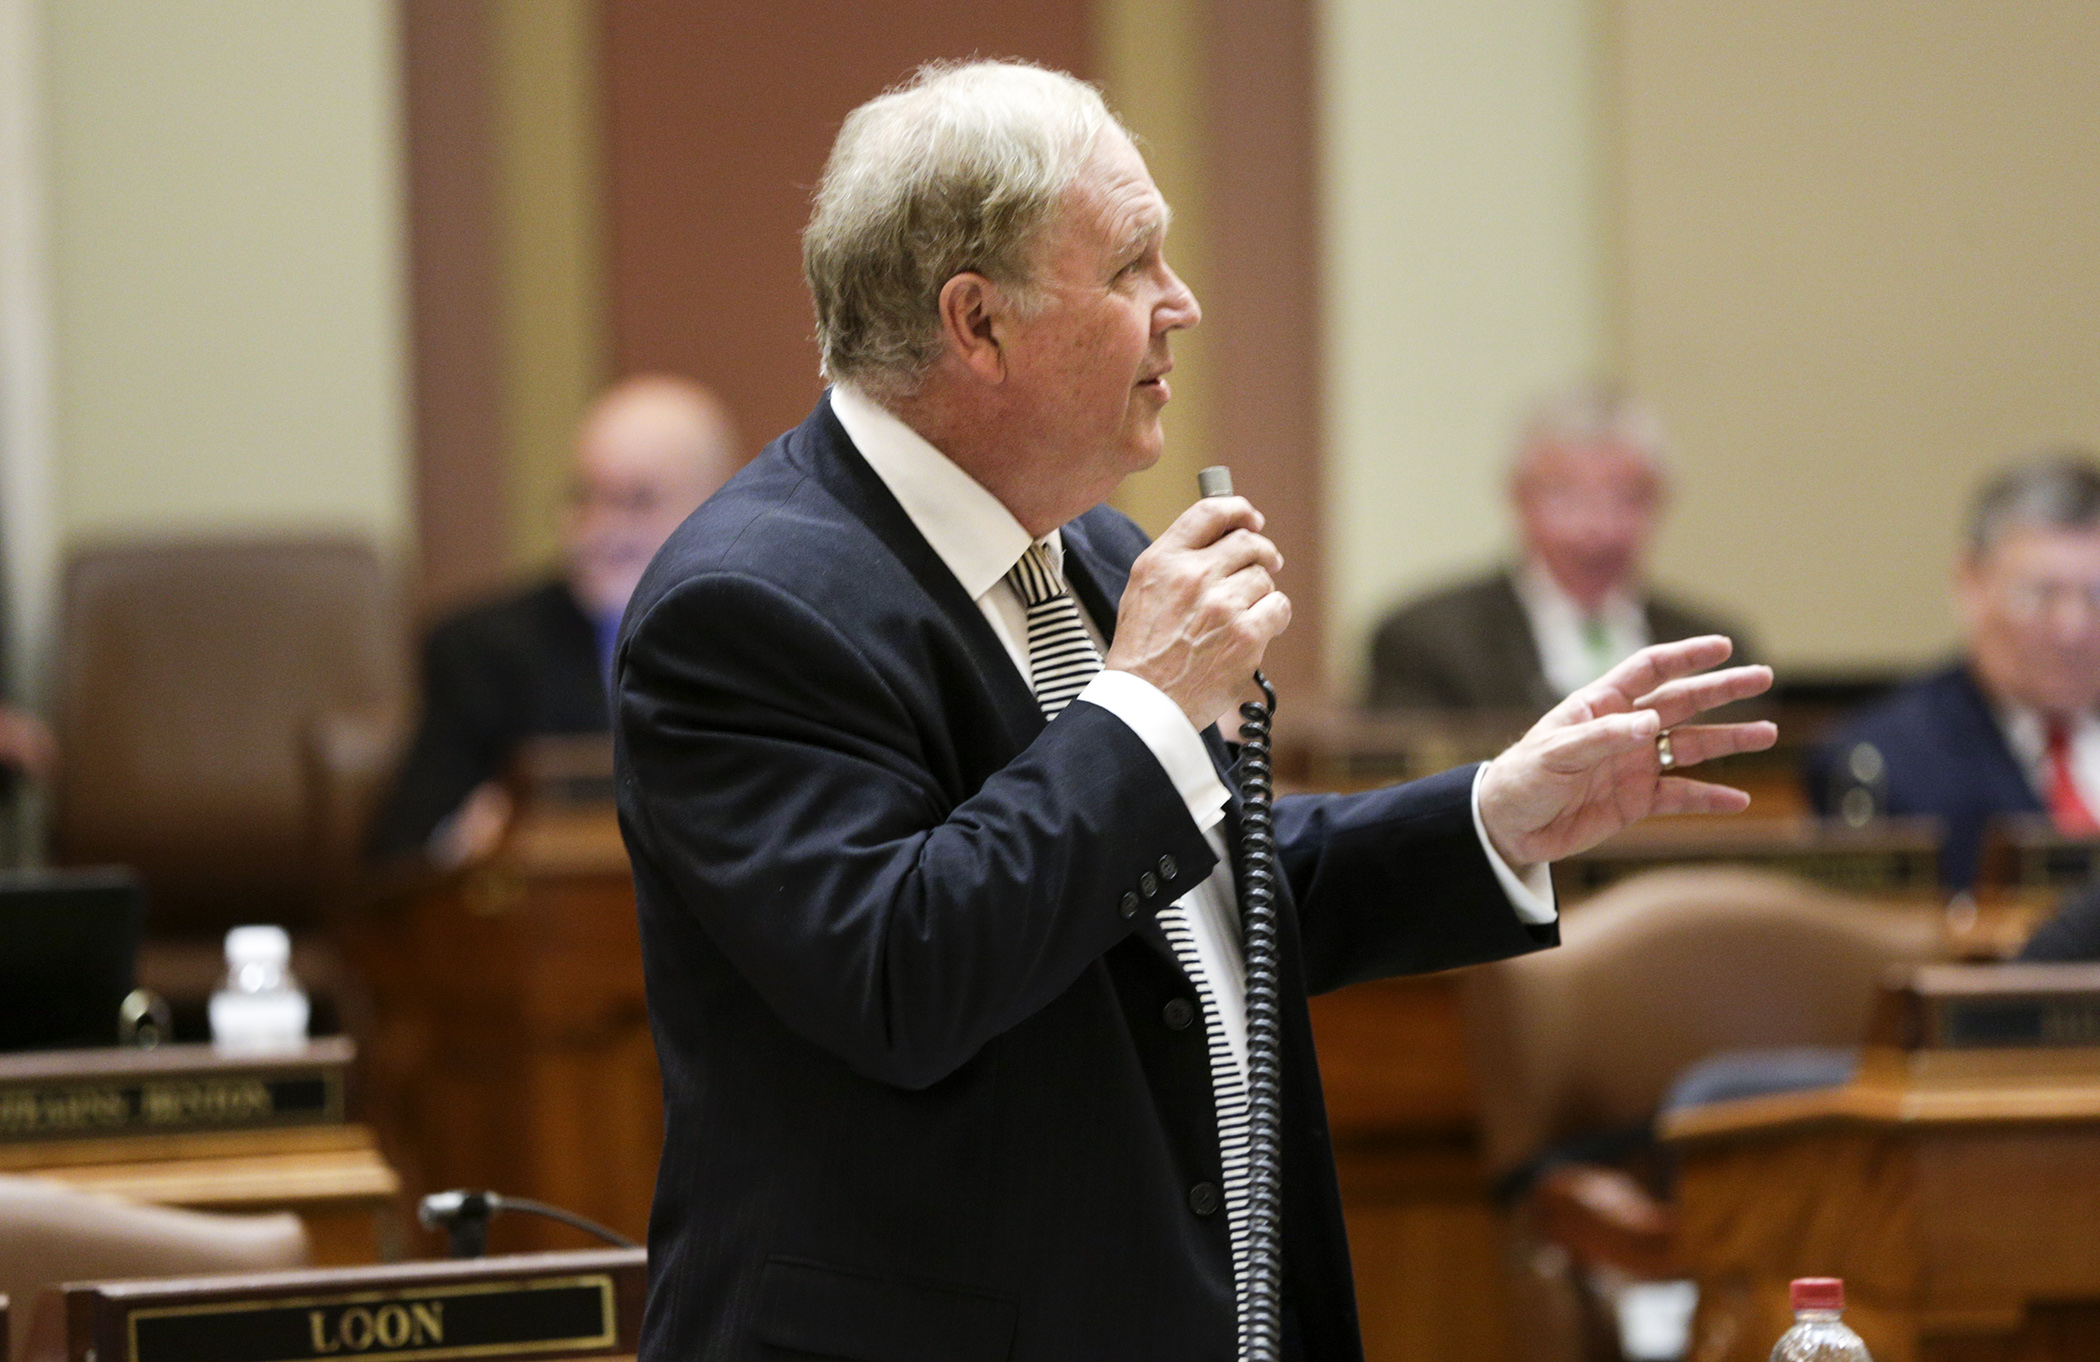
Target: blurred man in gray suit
1588	487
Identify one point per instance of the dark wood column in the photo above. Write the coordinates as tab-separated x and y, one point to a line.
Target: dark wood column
719	117
1263	161
456	366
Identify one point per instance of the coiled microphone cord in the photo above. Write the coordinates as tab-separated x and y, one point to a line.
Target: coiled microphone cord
1261	1293
1261	1323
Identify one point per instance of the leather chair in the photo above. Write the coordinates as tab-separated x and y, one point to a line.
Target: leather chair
189	676
51	1234
1653	975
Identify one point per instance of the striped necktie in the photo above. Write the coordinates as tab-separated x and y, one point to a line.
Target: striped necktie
1061	660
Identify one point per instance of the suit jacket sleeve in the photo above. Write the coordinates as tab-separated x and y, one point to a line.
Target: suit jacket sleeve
1396	882
457	746
787	789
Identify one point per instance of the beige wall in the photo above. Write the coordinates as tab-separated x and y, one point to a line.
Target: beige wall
551	276
1465	267
1863	266
1153	72
225	262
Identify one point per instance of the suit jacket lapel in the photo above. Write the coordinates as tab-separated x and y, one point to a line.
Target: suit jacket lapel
840	467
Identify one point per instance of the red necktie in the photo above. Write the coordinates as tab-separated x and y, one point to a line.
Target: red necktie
2066	807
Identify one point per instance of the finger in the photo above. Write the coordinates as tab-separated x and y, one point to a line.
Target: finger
1210	519
1237	550
1595	741
1695	743
1676	701
1243	588
1660	662
1266	618
1675	794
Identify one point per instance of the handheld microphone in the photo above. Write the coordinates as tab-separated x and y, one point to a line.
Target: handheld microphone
1261	1323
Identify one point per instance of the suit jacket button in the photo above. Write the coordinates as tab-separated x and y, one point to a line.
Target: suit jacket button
1168	868
1203	1198
1178	1014
1129	905
1148	884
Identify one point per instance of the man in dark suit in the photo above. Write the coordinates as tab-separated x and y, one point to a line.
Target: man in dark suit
1587	487
937	905
2011	727
535	663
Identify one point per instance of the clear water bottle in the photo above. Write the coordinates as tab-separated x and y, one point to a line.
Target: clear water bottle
259	1006
1818	1334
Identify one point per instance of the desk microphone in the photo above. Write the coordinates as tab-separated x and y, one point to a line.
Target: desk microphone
1261	1337
465	1216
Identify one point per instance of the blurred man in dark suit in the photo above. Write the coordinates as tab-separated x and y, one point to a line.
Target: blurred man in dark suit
535	663
2009	727
1587	488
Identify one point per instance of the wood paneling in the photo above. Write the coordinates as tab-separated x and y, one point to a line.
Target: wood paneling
1264	298
456	360
719	116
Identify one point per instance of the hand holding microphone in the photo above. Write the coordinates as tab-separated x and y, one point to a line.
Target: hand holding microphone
1201	607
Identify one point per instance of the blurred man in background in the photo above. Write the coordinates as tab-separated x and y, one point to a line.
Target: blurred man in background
2009	727
1587	487
535	663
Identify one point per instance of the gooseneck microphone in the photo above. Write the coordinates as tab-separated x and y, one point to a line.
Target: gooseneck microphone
464	1216
1262	1321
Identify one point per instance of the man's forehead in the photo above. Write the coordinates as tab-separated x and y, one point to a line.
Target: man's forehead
1598	459
2031	545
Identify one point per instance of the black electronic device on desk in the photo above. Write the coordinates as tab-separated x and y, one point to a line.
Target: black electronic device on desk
69	941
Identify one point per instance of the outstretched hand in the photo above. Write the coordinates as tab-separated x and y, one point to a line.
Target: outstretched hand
1592	765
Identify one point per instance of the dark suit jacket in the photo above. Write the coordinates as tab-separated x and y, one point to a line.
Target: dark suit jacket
1944	756
2073	934
924	1097
1469	646
524	666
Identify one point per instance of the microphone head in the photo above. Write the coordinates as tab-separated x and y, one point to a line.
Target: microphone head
444	1208
1214	481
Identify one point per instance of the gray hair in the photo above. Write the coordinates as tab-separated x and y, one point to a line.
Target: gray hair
1591	414
2059	490
957	170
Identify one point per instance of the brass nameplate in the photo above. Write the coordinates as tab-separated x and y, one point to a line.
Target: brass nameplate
72	1108
479	1319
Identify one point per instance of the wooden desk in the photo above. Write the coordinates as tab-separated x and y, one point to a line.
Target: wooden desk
183	1127
512	1047
1955	1192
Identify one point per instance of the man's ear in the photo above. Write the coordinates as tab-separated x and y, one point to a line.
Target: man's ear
972	312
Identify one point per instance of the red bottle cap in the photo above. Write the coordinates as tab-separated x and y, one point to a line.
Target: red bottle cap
1818	1293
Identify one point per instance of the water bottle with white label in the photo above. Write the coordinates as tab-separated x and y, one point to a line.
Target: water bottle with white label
259	1006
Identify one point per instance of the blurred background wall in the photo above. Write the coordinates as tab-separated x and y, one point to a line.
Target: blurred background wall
224	269
360	262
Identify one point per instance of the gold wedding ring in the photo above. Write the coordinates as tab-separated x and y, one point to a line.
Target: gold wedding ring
1663	754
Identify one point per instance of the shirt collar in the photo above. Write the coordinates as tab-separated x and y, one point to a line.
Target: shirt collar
969	529
1544	598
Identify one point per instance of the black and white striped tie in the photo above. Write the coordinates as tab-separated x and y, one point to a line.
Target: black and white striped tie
1061	660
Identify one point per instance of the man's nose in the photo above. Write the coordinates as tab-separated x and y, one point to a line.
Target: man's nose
1180	310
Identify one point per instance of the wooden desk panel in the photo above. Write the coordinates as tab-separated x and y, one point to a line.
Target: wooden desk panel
1958	1204
333	1177
513	1049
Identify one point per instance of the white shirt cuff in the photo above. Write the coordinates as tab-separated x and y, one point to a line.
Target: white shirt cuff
1175	743
1531	893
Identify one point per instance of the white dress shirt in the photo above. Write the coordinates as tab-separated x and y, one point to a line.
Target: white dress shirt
978	538
2027	734
1556	622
